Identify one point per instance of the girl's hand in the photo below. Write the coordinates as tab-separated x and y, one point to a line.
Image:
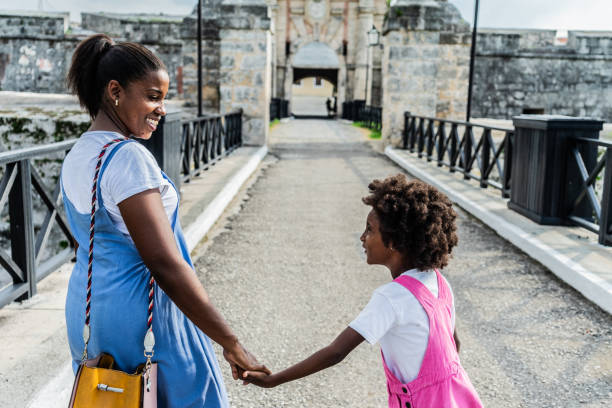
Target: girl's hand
260	379
240	358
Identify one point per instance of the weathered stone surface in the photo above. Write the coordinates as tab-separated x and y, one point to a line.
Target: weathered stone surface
524	69
426	65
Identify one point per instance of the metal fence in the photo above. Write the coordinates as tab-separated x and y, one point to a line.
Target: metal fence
595	188
371	116
20	184
464	147
351	109
279	109
205	140
554	178
358	111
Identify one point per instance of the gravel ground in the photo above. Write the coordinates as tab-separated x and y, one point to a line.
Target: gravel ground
285	267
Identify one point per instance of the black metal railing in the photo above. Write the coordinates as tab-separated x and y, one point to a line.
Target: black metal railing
207	139
350	109
371	116
595	189
464	147
21	184
279	109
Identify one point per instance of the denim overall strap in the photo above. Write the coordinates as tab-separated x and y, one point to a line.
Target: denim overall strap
149	340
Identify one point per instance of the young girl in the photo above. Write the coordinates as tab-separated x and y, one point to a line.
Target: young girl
411	231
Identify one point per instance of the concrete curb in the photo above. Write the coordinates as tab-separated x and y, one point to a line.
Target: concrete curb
56	393
198	229
584	281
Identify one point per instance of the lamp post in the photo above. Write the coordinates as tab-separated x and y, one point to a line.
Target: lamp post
472	57
373	40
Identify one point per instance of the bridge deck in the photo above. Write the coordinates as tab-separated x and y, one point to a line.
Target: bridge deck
285	266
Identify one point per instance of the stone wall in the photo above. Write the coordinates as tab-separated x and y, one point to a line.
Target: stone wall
517	70
425	64
36	48
34	51
236	56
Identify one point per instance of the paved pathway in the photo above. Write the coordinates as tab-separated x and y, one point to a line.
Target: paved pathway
287	270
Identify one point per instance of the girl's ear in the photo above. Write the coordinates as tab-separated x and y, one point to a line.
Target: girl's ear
114	91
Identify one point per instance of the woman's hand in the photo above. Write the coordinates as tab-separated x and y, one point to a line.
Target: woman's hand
240	359
260	379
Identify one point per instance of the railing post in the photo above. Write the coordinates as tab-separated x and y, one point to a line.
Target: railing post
406	128
21	227
441	142
165	144
412	133
467	151
508	142
454	153
430	139
485	156
421	139
605	222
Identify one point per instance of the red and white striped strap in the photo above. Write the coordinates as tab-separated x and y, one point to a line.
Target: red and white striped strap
149	341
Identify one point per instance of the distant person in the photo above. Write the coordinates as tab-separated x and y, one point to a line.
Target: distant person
329	107
410	230
136	235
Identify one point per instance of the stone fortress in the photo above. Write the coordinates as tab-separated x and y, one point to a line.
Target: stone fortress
253	50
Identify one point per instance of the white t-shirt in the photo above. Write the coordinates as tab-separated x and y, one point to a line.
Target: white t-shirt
132	170
396	319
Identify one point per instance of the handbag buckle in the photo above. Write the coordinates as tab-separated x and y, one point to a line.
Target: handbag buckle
104	387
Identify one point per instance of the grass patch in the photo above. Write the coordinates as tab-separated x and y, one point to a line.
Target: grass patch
274	122
374	134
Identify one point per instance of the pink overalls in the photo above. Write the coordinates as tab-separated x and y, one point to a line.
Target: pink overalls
442	382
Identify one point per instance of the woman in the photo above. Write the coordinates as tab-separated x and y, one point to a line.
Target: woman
137	234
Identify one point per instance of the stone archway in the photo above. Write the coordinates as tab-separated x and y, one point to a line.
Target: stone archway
314	59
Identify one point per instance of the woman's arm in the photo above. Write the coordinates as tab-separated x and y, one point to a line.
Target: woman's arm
148	225
322	359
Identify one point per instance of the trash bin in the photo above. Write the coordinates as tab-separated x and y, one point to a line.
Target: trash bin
543	176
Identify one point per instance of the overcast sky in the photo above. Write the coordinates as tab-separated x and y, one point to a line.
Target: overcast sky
550	14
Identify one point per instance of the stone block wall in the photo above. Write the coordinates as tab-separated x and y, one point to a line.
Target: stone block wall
36	49
425	64
35	65
244	74
33	25
518	70
142	28
236	56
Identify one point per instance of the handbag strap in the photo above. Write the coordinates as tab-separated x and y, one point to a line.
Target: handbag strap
149	340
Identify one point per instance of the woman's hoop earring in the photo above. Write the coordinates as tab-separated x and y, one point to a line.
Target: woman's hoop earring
116	102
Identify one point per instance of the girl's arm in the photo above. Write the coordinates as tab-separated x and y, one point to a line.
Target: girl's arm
457	342
324	358
148	225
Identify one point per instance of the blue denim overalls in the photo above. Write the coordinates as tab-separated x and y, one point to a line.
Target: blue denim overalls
188	371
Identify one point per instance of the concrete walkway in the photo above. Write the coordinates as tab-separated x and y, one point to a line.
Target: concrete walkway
287	269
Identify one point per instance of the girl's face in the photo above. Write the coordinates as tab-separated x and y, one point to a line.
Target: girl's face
141	104
376	251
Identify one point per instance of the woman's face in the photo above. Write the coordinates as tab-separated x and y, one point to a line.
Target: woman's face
376	251
141	105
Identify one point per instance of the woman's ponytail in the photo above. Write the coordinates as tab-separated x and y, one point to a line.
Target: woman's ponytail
98	60
83	69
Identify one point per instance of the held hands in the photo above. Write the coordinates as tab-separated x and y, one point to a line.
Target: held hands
241	360
258	378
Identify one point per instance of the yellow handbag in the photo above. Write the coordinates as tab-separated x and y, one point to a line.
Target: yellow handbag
97	383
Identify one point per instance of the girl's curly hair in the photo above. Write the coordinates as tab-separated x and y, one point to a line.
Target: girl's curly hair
417	219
